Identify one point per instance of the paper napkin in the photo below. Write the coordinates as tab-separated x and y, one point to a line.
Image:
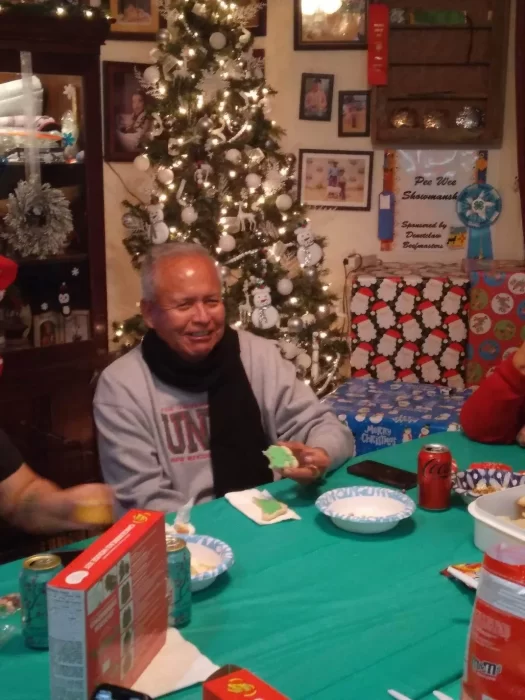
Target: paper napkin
178	665
243	501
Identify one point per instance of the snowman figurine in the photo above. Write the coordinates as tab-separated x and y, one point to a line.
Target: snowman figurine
309	253
264	315
156	215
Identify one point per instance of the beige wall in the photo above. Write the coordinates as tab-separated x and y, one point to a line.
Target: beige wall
345	231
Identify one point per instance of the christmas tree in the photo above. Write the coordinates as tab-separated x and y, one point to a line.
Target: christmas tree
221	179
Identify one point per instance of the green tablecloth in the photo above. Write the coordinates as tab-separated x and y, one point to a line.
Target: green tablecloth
317	612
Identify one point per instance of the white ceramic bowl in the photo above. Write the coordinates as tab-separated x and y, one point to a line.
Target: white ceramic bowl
208	550
367	510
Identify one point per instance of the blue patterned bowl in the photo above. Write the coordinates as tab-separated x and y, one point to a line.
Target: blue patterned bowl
210	552
366	509
479	482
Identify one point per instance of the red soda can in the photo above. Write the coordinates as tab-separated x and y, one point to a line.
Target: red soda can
434	477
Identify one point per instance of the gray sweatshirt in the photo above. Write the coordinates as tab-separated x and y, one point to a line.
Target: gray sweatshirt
154	438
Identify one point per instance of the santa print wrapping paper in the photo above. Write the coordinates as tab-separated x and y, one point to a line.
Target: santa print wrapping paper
496	320
382	414
410	323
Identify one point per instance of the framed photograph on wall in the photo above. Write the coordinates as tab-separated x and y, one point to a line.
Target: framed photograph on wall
354	113
257	26
336	179
343	25
126	121
317	90
135	19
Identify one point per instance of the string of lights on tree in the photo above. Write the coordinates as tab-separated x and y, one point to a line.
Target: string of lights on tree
221	179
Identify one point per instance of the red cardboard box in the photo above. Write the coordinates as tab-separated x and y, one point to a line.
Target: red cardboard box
108	609
496	320
239	684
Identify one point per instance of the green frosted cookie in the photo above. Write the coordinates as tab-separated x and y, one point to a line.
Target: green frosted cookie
270	508
280	457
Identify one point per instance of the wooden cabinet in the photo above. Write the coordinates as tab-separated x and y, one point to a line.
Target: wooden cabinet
54	317
436	70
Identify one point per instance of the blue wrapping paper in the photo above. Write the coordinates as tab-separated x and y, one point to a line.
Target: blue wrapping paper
382	414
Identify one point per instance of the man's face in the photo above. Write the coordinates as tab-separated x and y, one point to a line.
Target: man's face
137	104
188	313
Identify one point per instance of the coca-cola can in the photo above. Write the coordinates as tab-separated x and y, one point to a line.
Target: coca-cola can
434	477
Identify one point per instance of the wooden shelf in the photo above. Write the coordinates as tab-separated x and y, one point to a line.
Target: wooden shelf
55	260
440	27
445	67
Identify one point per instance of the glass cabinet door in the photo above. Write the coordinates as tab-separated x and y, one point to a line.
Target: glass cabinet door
44	230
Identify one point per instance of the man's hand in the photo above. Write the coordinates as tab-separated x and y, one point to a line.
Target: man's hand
313	463
518	360
81	506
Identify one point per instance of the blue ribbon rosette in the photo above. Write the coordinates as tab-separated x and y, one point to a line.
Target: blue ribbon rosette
478	207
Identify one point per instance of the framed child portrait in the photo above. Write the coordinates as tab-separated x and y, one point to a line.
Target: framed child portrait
336	179
354	113
317	91
126	120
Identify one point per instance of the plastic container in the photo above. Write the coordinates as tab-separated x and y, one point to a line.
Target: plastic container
489	530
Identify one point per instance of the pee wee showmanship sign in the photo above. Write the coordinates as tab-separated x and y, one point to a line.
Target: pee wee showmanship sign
427	185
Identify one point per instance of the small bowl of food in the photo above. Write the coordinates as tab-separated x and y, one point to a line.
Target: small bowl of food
209	559
482	480
367	510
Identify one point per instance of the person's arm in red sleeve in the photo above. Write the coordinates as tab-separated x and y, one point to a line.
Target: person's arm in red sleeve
495	413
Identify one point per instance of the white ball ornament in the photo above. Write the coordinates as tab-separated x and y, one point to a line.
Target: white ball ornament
152	75
189	215
217	41
226	243
233	155
284	202
142	163
165	176
159	233
303	361
285	286
253	180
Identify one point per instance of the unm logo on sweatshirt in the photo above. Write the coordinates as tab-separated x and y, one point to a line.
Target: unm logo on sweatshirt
187	432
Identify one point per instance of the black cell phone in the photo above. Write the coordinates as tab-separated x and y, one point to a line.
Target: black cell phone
106	691
384	474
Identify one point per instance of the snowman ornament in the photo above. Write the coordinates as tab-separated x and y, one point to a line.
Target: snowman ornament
309	253
264	315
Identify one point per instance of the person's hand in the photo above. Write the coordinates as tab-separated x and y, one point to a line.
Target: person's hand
313	463
518	359
64	507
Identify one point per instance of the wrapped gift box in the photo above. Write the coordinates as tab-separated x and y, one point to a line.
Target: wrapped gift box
496	319
410	322
382	414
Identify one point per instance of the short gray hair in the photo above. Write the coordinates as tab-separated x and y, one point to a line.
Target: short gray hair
167	250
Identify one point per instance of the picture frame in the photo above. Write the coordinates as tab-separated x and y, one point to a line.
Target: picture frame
336	179
77	326
125	120
135	20
354	113
344	29
48	329
317	92
258	26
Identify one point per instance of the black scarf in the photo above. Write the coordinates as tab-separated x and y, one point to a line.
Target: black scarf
237	438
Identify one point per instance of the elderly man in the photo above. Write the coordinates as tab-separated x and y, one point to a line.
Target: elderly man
188	413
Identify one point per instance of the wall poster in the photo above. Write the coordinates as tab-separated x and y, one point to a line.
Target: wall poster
425	186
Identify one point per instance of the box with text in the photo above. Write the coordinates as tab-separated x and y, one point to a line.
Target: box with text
108	609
